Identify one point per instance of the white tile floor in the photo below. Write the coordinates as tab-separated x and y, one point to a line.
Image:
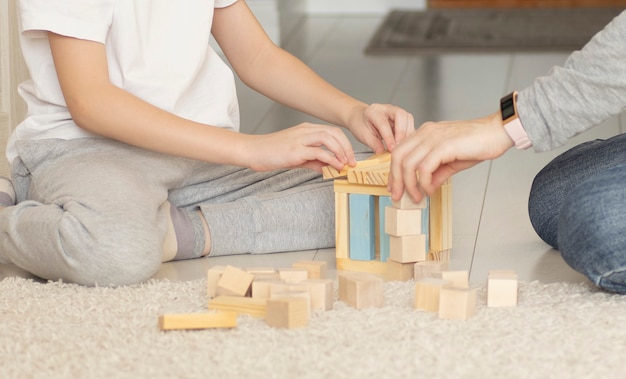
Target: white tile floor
491	229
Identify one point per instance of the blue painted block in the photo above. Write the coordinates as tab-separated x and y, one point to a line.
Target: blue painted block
383	238
362	237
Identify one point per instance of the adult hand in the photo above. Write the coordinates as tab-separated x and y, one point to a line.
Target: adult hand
306	145
382	123
437	150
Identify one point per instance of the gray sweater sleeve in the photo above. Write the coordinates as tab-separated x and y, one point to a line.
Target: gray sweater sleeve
589	89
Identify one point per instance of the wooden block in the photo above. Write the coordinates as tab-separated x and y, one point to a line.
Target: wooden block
427	293
457	303
281	287
287	312
316	269
383	238
459	278
332	173
428	269
263	273
234	282
342	186
403	222
406	202
439	255
261	289
342	226
293	275
322	294
360	290
362	231
240	305
213	276
304	294
198	321
502	288
372	267
399	272
406	249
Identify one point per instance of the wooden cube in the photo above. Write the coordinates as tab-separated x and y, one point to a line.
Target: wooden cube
459	278
399	272
287	312
360	290
457	303
261	289
408	249
234	282
322	293
403	222
293	275
263	273
428	269
213	276
427	293
502	288
406	202
315	269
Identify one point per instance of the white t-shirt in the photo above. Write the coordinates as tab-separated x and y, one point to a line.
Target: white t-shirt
157	50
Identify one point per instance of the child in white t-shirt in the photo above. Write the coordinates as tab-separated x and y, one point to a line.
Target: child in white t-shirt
130	153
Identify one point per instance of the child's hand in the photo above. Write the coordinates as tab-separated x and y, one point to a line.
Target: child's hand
378	123
306	145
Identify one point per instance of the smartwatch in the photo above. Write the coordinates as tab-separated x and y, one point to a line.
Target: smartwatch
512	124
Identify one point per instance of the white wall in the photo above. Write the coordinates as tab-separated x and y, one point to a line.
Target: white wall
360	6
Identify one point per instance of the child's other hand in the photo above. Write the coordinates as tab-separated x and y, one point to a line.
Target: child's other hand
306	145
382	126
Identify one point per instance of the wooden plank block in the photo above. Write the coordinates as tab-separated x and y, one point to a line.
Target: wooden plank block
342	226
342	186
435	209
234	282
187	321
407	249
332	173
427	293
240	305
383	238
362	231
403	222
316	269
457	303
287	312
372	267
360	290
502	288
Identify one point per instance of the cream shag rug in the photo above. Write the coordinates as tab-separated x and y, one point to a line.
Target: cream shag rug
56	330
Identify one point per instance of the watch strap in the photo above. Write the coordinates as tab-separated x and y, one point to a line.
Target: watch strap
516	131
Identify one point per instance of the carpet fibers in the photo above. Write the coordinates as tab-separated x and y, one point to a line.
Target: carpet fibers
58	330
488	30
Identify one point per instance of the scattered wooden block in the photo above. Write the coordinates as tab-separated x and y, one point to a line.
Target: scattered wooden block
502	288
397	271
281	287
213	276
457	303
261	289
287	312
406	202
240	305
293	275
316	269
360	290
305	294
322	293
427	293
403	222
234	282
263	273
428	269
408	249
459	278
198	321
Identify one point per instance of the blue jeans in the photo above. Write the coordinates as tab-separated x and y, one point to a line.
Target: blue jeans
577	205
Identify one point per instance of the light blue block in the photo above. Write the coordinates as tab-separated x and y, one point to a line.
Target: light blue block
383	238
362	237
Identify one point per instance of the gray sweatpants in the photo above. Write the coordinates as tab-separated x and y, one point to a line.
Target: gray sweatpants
91	211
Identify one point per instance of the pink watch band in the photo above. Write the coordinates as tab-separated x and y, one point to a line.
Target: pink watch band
516	131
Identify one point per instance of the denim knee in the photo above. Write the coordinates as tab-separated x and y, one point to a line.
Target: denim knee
543	207
592	229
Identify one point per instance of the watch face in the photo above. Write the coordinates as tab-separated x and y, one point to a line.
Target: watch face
507	107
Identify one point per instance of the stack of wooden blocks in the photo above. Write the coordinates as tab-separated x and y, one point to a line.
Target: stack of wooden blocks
377	236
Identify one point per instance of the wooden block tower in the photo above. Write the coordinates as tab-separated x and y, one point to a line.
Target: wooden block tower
378	236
